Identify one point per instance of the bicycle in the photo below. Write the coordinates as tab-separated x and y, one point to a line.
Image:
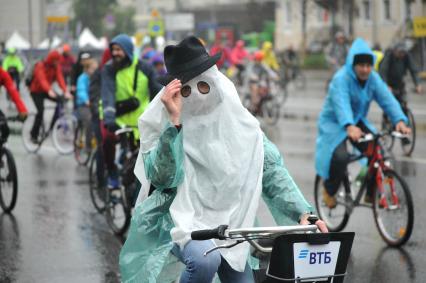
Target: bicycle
287	252
120	201
392	202
8	176
297	76
269	107
408	143
62	130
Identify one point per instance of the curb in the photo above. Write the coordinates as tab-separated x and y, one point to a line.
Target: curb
309	117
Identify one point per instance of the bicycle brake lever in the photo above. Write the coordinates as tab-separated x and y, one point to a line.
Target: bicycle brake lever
222	247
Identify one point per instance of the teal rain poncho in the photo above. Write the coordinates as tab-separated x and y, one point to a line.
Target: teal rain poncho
167	159
348	102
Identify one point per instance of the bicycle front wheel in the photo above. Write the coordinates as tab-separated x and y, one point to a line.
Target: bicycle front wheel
63	134
408	144
97	177
29	144
393	209
335	218
300	80
116	211
82	151
8	181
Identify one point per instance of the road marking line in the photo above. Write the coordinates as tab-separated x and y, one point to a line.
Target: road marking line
413	160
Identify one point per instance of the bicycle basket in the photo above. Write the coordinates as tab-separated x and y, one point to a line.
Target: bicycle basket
310	257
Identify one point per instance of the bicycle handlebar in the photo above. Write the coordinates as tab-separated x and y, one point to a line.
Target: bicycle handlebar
16	118
399	135
217	233
370	137
126	129
248	234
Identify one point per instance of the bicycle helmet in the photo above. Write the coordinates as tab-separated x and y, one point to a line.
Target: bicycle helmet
258	56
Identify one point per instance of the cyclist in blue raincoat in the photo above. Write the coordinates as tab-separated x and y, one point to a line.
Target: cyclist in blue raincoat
344	114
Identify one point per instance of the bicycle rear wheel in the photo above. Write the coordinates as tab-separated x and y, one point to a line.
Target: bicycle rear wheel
63	134
300	80
408	144
116	211
81	152
393	210
335	218
29	145
97	177
8	181
270	111
387	139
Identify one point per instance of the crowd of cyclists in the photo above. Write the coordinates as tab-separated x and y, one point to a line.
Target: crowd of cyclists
112	93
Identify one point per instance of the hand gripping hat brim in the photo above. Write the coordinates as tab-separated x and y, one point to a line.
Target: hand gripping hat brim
186	60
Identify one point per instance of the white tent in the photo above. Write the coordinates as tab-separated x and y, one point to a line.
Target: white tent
87	39
17	41
56	41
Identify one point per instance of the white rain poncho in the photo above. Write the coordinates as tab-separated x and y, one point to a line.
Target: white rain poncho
223	161
168	159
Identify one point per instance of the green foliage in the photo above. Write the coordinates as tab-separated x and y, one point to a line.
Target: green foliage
91	14
124	20
315	61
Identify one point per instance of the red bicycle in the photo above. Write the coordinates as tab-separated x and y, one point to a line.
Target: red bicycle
392	202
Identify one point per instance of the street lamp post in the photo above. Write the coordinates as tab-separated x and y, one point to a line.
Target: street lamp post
30	22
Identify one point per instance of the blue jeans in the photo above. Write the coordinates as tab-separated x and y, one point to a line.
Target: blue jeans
202	269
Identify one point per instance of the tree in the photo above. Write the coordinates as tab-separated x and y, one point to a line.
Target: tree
91	14
124	20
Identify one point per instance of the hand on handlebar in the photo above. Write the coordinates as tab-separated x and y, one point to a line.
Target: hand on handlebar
320	224
354	133
402	128
51	94
68	95
22	116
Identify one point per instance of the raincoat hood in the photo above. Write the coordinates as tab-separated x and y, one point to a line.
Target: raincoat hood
359	46
53	57
125	42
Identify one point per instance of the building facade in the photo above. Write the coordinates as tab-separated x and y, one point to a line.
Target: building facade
378	21
24	16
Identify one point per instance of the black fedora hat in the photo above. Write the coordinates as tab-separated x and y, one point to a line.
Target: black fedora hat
186	60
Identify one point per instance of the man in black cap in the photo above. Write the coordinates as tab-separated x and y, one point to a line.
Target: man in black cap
210	163
394	67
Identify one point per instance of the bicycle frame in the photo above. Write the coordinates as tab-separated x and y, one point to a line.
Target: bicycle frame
377	165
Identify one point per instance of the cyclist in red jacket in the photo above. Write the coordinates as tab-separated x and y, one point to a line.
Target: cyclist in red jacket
45	73
7	82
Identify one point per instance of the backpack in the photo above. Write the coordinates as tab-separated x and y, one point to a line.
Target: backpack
29	76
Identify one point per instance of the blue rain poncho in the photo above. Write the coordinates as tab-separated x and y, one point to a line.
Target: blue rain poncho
167	158
347	102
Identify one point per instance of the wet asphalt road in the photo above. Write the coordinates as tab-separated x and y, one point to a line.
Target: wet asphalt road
55	235
371	260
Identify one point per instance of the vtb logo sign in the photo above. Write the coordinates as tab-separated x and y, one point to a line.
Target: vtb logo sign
316	257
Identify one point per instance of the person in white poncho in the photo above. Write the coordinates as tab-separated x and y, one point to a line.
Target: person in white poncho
209	163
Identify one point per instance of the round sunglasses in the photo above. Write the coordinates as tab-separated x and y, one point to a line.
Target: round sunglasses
202	86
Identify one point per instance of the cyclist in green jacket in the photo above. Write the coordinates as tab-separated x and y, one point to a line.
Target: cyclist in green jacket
13	65
127	84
